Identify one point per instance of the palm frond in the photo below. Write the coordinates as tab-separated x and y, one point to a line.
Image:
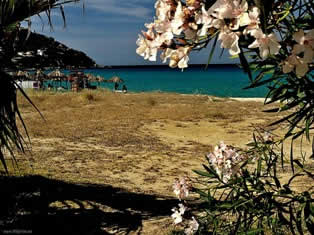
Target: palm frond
10	137
12	12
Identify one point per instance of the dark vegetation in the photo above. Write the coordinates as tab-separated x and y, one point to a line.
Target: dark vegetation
55	54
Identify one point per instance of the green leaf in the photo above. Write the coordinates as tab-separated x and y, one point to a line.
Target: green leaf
308	217
291	156
259	167
203	173
245	64
252	231
212	51
299	219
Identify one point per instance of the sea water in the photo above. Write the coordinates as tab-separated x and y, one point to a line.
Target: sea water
221	81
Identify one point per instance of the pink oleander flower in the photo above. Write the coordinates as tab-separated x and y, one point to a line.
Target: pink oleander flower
162	9
251	20
218	24
229	9
166	53
205	19
225	161
177	214
178	20
146	48
178	58
305	43
193	227
267	44
181	187
162	26
295	62
229	40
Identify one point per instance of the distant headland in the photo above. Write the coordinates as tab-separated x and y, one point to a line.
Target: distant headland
39	51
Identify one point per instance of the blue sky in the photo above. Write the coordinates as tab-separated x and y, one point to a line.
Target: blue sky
108	30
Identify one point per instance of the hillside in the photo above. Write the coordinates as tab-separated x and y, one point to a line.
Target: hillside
40	51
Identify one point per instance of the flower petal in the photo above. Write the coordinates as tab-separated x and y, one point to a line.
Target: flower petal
302	69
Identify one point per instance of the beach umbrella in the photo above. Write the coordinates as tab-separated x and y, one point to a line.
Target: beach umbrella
22	75
100	79
116	79
56	74
91	77
39	75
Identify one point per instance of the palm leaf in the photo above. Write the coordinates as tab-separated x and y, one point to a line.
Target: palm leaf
11	13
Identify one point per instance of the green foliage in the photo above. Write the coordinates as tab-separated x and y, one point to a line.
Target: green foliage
295	94
257	200
9	133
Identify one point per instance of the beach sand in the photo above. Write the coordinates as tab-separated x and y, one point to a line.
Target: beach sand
248	99
134	143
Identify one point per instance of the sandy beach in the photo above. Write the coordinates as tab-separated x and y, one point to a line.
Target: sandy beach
248	99
135	143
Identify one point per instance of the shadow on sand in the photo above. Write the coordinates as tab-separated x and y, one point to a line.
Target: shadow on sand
85	208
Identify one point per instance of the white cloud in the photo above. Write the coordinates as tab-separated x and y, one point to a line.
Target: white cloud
133	8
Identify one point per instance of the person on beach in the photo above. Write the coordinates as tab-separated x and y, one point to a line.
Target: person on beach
124	89
116	86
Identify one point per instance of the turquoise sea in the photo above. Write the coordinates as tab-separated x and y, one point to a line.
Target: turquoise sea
222	81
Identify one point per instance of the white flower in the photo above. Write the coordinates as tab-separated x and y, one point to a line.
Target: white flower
251	19
297	63
226	177
162	9
162	26
181	187
166	54
304	39
229	9
146	48
222	146
267	44
179	57
206	19
178	20
228	164
182	208
177	214
194	225
305	44
218	24
225	161
230	41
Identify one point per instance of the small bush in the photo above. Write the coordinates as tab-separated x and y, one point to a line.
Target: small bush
88	96
151	101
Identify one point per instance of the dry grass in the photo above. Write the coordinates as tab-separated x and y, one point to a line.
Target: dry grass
136	124
139	142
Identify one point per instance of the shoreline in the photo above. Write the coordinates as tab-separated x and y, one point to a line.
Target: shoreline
241	99
210	97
